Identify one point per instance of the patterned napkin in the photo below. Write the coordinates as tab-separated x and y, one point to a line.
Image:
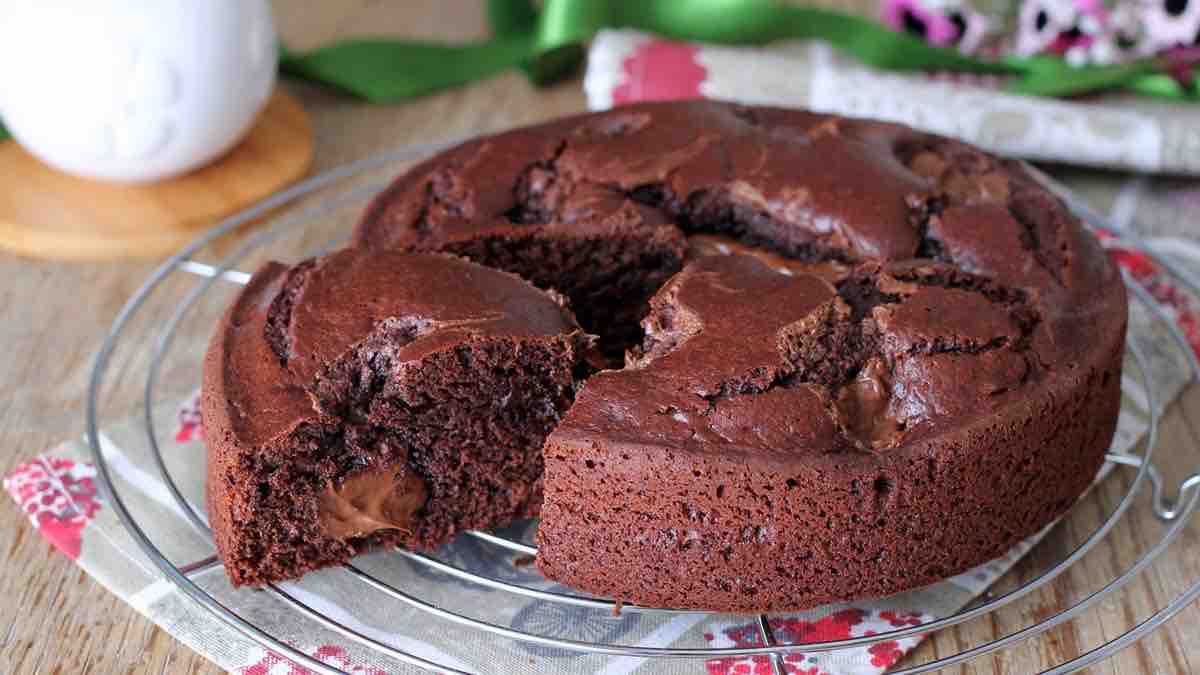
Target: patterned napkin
1114	131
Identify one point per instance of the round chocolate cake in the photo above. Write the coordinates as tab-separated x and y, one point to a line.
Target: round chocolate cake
834	359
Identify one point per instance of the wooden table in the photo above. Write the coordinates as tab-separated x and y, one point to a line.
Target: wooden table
53	618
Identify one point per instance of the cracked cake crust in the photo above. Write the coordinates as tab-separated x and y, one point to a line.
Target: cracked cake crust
937	379
841	358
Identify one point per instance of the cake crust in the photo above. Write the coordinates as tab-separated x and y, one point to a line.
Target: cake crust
842	358
939	379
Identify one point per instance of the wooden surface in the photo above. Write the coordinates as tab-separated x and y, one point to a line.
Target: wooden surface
54	619
48	214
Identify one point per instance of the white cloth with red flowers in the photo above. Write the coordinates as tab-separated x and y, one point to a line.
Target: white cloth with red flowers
1112	131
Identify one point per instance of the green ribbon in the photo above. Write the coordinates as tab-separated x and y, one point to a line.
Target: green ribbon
548	44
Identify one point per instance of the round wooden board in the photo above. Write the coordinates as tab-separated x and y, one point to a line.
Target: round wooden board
48	214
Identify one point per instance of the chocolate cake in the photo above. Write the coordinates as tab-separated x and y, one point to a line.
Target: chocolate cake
365	399
857	359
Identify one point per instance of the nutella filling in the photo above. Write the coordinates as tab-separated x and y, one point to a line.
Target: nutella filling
367	502
865	407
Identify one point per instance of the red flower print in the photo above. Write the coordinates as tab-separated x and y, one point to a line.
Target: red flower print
59	495
745	665
1138	264
885	654
846	623
761	665
901	619
835	626
660	70
271	663
742	636
190	426
739	665
789	630
1180	305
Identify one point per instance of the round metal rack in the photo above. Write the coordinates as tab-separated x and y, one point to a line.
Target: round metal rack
310	201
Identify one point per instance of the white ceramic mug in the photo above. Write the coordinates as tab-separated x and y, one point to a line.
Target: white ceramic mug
132	90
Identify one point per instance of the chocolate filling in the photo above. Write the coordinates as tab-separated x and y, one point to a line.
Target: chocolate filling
368	501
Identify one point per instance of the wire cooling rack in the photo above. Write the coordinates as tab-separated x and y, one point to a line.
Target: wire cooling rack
182	297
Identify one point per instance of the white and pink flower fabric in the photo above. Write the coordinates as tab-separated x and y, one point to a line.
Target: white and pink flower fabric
59	496
626	66
1084	32
944	23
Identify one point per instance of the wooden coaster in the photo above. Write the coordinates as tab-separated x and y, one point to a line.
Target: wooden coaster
48	214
